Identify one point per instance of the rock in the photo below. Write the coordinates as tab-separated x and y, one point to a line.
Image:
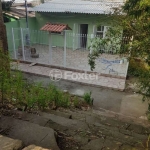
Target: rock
96	144
143	117
35	55
30	133
33	147
9	144
65	91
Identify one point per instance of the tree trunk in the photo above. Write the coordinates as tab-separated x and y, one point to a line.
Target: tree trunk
3	38
4	59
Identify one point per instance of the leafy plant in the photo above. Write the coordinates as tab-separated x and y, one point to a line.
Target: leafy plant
87	98
111	43
137	66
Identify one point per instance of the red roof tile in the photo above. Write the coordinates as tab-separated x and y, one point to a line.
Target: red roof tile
55	27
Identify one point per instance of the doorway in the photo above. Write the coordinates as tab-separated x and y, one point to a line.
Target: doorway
83	36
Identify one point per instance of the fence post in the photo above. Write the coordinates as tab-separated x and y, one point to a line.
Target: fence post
73	36
22	43
50	48
64	48
91	49
13	41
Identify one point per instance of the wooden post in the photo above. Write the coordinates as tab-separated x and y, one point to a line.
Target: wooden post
3	35
4	60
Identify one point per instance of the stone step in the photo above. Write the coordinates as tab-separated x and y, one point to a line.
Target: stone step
103	118
34	147
81	119
82	128
86	121
29	133
112	129
7	143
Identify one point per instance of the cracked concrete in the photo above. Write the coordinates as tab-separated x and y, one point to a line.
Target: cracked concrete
87	130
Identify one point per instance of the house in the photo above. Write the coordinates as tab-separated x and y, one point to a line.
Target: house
82	16
15	11
77	22
15	17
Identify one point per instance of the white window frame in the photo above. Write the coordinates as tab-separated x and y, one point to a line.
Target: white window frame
103	30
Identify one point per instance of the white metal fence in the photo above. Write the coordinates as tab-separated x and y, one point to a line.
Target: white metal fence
67	50
21	41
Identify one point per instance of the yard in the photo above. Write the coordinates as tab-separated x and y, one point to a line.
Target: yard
107	64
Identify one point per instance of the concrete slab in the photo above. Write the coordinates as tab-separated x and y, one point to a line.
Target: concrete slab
34	147
133	105
69	123
9	144
30	133
86	78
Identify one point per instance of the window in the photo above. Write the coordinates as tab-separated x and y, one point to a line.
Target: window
100	31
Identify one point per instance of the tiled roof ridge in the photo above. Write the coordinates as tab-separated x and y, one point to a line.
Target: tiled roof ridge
55	27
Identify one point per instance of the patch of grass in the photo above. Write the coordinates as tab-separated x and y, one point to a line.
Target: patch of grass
19	92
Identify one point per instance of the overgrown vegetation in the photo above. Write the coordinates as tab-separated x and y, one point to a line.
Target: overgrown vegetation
136	66
109	44
138	24
16	90
135	25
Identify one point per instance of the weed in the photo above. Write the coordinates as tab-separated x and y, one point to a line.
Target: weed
87	98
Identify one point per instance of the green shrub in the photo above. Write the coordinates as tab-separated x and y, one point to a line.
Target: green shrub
19	92
87	98
136	66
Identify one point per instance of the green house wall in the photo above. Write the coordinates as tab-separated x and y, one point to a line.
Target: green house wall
41	37
16	25
73	20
